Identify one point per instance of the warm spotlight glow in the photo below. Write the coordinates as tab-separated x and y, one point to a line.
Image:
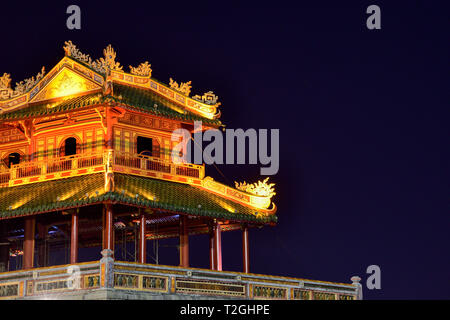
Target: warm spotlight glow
68	195
67	83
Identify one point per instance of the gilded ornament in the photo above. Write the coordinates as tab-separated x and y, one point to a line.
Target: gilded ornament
144	69
21	87
109	60
5	81
183	87
208	98
261	188
27	84
71	50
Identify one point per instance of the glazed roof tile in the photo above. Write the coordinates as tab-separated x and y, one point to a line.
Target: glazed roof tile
138	99
85	190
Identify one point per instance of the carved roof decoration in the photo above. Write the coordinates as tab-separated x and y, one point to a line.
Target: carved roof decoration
89	189
208	98
183	87
261	188
21	87
144	69
100	73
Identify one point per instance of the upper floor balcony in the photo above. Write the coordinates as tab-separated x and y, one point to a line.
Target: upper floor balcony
86	163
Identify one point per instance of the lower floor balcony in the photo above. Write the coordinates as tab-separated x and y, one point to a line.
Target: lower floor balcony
109	279
119	210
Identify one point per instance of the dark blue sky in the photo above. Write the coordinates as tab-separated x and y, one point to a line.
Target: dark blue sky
363	118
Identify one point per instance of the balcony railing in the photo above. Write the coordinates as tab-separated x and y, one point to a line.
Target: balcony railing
85	163
126	280
55	165
4	178
148	163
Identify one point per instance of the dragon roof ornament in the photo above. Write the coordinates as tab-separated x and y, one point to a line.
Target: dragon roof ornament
101	65
208	98
108	66
6	92
183	87
144	70
108	61
261	188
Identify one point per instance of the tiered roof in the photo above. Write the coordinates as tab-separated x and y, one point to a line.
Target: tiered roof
103	81
129	190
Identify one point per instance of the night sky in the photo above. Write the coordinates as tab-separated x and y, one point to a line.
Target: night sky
363	118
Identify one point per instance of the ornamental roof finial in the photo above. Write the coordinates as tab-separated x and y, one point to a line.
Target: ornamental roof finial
5	81
183	87
144	69
208	98
261	188
109	60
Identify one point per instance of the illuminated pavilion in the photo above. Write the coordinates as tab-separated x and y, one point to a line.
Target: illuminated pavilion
85	161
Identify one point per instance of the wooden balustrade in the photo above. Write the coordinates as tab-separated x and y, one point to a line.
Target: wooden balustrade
72	163
158	165
167	281
4	177
36	168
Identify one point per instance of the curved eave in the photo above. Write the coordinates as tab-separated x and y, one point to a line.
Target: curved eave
86	190
83	103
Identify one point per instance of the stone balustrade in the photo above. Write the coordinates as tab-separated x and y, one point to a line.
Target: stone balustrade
109	279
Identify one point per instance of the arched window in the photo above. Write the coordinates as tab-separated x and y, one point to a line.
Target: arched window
144	146
12	158
69	147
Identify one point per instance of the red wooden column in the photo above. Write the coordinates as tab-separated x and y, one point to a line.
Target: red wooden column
42	234
142	239
109	128
4	257
212	251
108	229
217	246
184	242
74	238
28	243
245	252
4	249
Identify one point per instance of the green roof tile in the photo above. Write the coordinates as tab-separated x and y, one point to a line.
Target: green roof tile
72	192
145	100
41	109
138	99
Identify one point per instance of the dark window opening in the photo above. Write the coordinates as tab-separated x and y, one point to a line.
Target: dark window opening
13	158
144	146
70	146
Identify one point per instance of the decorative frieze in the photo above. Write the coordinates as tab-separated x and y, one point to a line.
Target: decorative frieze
149	122
324	296
9	290
126	281
267	292
299	294
154	283
91	281
209	287
57	285
11	135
